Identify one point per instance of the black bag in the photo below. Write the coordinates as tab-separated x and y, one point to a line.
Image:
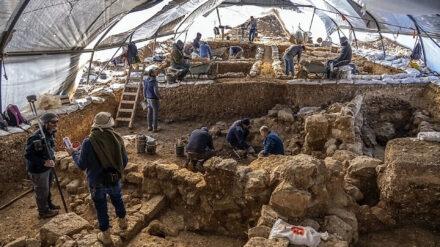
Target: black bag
111	177
3	123
417	51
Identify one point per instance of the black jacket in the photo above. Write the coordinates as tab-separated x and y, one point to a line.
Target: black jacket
35	158
199	142
237	136
345	57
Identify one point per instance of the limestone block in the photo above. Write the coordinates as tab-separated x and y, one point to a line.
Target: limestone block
286	115
269	216
290	200
150	185
335	225
317	130
132	167
89	240
310	222
134	177
153	206
263	242
135	224
149	170
32	242
257	181
19	242
363	169
64	163
259	231
166	171
63	224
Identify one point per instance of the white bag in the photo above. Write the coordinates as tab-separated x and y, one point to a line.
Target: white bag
429	136
298	235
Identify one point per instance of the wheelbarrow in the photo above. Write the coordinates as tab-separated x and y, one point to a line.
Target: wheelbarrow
314	67
202	69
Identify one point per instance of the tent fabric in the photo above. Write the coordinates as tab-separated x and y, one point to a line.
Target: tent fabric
72	25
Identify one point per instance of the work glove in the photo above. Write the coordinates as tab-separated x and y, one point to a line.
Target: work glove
251	150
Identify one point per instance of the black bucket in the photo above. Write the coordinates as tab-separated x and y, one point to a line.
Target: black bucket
180	150
151	147
141	141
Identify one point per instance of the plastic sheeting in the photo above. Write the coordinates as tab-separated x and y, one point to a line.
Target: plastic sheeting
36	75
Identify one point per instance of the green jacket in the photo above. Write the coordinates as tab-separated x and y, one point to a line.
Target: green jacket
177	56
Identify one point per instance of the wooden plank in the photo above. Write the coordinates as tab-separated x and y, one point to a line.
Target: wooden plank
132	85
124	119
130	93
128	101
126	110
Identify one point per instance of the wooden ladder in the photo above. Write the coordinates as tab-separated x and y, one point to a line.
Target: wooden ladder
130	96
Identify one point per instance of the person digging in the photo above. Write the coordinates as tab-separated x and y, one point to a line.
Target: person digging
200	148
237	135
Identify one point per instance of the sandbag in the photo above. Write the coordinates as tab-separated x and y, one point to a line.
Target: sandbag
298	235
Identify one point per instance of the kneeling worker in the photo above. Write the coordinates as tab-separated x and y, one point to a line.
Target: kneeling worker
272	142
235	52
200	147
237	134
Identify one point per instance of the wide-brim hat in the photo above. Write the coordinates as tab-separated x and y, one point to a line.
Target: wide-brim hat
103	120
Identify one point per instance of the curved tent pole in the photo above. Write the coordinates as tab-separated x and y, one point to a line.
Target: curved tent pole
349	23
380	33
96	45
5	40
311	22
420	37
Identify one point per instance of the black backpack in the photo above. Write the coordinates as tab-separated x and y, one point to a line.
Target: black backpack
417	51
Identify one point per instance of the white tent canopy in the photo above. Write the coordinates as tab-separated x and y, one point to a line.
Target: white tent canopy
41	41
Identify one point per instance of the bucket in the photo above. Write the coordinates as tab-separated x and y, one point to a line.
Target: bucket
140	143
180	150
151	147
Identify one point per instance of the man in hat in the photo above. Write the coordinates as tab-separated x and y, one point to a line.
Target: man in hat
237	135
178	59
200	146
343	59
104	158
39	164
152	96
272	142
196	42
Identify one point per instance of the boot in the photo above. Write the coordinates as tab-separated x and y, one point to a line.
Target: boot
105	238
53	206
48	214
123	224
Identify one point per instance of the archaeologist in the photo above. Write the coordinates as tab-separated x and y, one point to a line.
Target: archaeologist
237	134
235	51
289	55
205	50
343	59
39	164
152	96
272	142
196	42
253	30
200	147
178	59
104	158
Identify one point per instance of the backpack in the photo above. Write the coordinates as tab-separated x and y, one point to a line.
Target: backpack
13	116
3	123
417	51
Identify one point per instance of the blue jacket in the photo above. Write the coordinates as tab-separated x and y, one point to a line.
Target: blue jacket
273	144
86	159
200	141
35	159
292	51
205	50
151	89
237	136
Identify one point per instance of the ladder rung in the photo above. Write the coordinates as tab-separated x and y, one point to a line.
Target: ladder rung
128	102
126	119
134	78
130	93
132	85
126	110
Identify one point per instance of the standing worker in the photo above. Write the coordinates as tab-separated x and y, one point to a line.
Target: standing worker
289	55
39	164
253	30
196	42
272	142
104	158
237	135
205	50
152	96
200	146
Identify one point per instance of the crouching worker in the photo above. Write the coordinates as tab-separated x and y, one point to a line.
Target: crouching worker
237	135
199	148
104	158
39	164
235	52
272	142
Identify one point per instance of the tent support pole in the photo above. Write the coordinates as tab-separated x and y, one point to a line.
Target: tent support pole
154	44
420	37
186	33
220	23
311	22
90	67
380	33
349	23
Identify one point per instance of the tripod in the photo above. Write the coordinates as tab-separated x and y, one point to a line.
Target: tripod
31	99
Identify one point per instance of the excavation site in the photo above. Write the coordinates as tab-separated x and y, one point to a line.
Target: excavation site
342	151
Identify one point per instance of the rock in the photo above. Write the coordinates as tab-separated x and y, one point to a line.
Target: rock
259	231
32	242
19	242
410	182
257	182
73	186
64	163
368	136
384	132
362	174
153	206
165	171
63	224
134	177
343	128
285	115
216	163
132	167
290	200
335	166
89	240
135	223
343	155
354	192
333	241
150	185
309	222
317	129
272	113
333	224
349	218
269	216
263	242
144	239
